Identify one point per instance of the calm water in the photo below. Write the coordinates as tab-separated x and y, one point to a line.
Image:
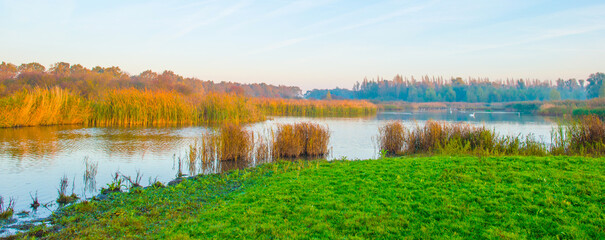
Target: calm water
34	159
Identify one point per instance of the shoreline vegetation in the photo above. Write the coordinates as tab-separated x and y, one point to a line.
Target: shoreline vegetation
132	107
560	108
583	137
418	197
448	179
287	147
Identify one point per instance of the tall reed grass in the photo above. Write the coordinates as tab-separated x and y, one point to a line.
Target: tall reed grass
300	140
392	137
232	146
129	107
220	107
236	143
316	108
132	107
230	142
582	137
42	107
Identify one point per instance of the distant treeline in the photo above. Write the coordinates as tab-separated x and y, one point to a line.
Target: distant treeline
93	82
436	89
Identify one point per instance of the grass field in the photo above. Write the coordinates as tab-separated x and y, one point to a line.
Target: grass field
392	198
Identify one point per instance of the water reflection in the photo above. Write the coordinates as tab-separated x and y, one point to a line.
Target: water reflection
22	143
464	116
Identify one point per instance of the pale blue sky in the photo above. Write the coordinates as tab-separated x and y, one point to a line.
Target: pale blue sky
312	44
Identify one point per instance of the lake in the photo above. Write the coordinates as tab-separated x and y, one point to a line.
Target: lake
34	159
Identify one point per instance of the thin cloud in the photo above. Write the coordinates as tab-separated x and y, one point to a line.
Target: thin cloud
591	22
364	23
547	35
221	15
289	9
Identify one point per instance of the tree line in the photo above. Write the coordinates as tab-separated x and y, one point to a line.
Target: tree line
436	89
92	82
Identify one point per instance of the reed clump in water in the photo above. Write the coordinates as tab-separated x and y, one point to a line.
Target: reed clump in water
435	136
391	137
230	142
261	151
454	138
63	197
43	107
236	143
90	174
6	211
300	140
208	150
192	157
585	136
35	203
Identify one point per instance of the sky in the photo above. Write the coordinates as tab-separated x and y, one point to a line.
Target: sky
311	44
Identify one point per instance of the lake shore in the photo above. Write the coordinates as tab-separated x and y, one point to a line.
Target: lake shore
439	196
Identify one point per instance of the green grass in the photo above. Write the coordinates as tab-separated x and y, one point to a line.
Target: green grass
391	198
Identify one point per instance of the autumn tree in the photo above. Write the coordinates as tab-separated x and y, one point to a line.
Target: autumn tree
31	67
7	70
61	69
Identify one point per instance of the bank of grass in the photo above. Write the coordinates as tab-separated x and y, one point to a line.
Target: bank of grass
393	198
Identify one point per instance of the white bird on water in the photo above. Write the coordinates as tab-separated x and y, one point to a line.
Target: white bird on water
472	115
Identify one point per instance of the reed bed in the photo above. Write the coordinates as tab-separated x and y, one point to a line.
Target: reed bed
231	146
316	108
230	142
391	137
441	135
43	107
300	140
218	108
236	143
131	107
585	136
582	137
